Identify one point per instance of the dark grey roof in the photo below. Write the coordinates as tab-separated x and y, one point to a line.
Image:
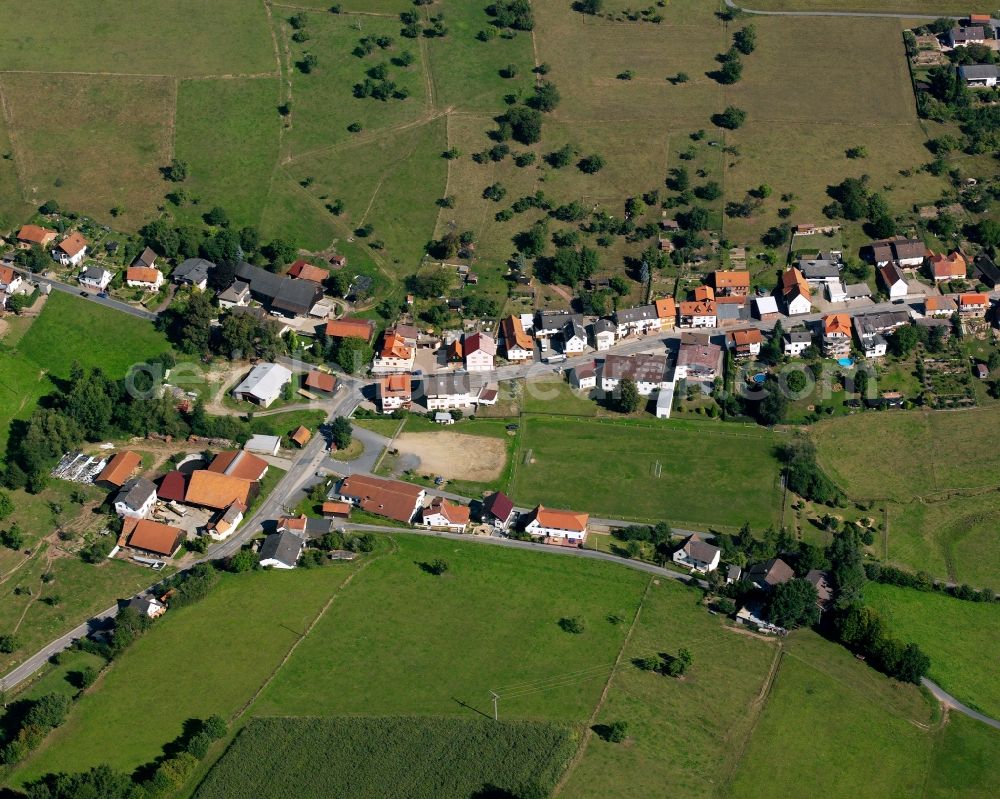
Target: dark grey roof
280	292
967	34
979	71
554	320
235	292
603	326
142	604
136	492
855	290
987	270
771	572
818	270
798	336
447	384
640	368
638	314
146	258
284	547
93	273
700	550
574	328
872	323
193	270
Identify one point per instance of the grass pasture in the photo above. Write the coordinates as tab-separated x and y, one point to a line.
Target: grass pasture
958	636
108	156
957	7
582	465
416	757
52	343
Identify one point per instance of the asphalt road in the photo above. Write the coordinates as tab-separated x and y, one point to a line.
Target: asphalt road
108	302
947	699
733	5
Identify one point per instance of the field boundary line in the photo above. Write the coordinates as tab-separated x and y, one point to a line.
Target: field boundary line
589	732
86	74
425	68
302	637
8	119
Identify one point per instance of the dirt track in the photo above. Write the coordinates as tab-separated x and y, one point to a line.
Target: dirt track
478	459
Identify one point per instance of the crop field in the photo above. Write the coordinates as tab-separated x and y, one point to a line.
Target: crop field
696	460
366	757
236	636
958	636
114	341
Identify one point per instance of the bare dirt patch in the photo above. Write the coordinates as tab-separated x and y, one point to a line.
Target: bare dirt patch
477	459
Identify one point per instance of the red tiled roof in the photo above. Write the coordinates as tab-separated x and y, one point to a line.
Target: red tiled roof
73	243
239	463
303	270
837	324
561	519
214	490
155	537
666	308
119	469
144	274
350	328
732	279
320	381
35	234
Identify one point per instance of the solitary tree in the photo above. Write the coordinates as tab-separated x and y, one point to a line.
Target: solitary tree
628	396
340	432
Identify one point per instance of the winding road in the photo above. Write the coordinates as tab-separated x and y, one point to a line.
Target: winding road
883	14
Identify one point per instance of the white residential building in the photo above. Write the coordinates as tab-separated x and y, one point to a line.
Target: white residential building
480	352
603	333
637	321
444	392
650	373
95	277
135	499
559	525
574	338
698	555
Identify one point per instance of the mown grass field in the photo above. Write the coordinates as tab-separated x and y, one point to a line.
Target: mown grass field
958	636
547	396
957	7
69	329
236	637
415	757
582	465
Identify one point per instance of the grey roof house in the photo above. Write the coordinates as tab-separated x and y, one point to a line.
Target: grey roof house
282	550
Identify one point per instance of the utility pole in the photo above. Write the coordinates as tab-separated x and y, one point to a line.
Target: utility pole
496	698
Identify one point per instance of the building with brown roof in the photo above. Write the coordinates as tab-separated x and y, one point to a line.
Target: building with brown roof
393	392
560	526
729	283
820	581
650	373
301	436
746	343
350	328
320	381
156	538
337	510
173	487
795	292
303	270
241	464
71	250
518	345
444	515
390	498
498	510
224	523
770	573
30	235
704	293
144	277
905	252
948	267
698	314
837	335
119	469
939	306
699	361
218	491
666	309
394	355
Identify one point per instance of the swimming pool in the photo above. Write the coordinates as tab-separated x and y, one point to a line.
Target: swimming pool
758	378
845	362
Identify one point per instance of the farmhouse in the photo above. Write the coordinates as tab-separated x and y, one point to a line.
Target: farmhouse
892	280
559	526
795	342
517	344
155	538
10	281
144	277
278	293
393	392
979	75
393	356
303	270
236	296
698	314
31	235
95	277
320	381
574	338
443	392
264	384
701	362
350	328
961	36
770	574
390	498
135	499
480	350
239	463
193	272
498	510
649	372
218	491
836	335
637	321
795	292
224	523
729	283
666	309
939	306
603	333
71	250
973	306
282	550
905	252
698	555
584	376
746	343
444	515
119	469
947	267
